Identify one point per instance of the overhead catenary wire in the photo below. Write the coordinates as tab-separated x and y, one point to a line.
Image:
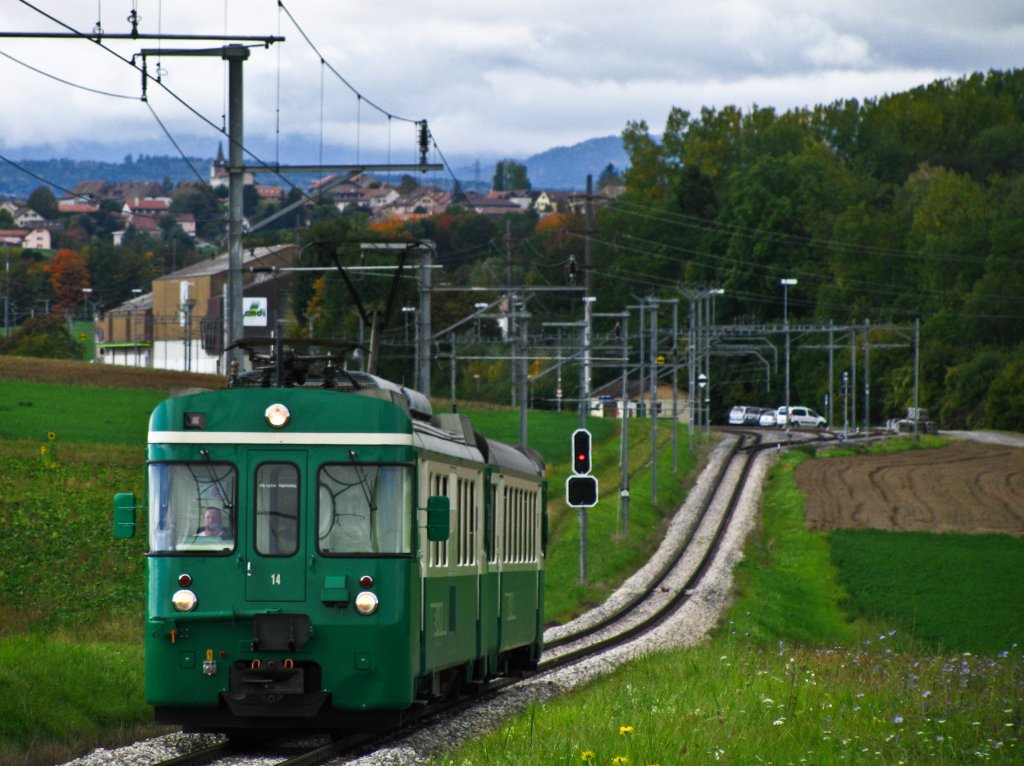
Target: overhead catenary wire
692	221
260	164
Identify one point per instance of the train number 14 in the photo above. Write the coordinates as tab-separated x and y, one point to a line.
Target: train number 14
275	578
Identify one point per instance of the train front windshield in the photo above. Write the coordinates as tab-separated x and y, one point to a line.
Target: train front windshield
364	509
192	507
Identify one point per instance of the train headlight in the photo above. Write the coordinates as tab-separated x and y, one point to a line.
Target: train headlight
184	600
366	603
277	416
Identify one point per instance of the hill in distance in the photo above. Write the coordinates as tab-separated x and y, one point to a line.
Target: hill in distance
560	168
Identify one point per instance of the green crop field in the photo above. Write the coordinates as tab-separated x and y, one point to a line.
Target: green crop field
954	592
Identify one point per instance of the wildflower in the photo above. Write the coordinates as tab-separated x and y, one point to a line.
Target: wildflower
768	701
778	722
620	760
51	436
42	450
625	730
897	719
588	756
926	693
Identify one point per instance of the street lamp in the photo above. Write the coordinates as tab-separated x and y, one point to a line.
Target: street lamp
136	292
785	329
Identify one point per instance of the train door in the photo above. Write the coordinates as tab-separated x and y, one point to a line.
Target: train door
275	568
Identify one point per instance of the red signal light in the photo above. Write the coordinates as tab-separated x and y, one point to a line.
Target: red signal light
581	451
184	580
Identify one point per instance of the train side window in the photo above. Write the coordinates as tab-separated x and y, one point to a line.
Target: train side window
437	555
277	509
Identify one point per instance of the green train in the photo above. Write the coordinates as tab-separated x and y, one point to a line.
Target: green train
325	552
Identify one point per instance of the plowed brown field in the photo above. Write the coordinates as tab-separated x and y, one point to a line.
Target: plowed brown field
963	487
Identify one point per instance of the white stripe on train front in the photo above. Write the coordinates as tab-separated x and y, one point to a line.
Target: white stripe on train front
252	437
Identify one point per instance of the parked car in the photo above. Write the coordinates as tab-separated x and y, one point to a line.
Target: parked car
738	414
753	416
805	417
780	416
766	418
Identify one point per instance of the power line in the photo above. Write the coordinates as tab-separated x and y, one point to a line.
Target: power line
36	176
706	224
67	82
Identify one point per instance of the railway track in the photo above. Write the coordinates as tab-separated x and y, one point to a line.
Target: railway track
701	538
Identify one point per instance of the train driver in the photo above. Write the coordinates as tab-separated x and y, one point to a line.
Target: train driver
213	524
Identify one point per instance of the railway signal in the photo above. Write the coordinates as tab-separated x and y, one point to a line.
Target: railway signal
581	489
581	451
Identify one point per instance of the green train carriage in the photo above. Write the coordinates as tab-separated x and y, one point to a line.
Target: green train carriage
324	556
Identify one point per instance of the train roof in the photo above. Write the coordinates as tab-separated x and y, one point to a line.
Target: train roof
453	433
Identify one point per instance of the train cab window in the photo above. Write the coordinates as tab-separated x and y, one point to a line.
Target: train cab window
192	507
364	509
277	509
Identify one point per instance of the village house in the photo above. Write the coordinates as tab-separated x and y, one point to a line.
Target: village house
27	218
29	239
606	401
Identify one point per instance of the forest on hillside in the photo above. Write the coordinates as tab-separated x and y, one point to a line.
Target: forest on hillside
896	210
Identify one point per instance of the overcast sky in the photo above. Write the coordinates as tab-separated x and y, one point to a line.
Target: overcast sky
493	79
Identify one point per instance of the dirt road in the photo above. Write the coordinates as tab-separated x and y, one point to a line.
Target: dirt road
968	486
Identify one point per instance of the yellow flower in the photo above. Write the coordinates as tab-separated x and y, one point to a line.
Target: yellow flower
587	755
51	436
620	760
42	449
625	730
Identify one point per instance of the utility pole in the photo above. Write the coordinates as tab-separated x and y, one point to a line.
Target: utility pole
235	55
423	322
867	375
785	328
653	303
7	294
523	382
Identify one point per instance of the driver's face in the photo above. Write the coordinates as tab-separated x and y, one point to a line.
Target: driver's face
211	518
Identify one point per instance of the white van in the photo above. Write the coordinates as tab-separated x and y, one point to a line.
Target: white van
805	417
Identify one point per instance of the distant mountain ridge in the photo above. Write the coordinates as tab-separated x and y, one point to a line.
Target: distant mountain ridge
567	167
560	168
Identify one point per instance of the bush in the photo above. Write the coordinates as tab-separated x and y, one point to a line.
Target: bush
44	337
